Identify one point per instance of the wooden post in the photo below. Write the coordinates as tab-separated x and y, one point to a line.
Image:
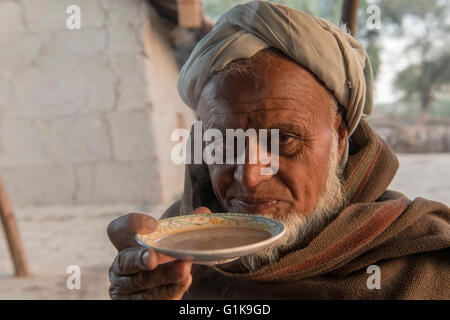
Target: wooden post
350	15
189	13
12	235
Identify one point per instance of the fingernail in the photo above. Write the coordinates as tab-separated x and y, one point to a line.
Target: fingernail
181	267
145	258
149	224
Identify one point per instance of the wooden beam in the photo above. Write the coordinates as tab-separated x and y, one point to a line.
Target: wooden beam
190	13
350	15
12	235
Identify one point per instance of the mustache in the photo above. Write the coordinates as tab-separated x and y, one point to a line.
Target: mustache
261	193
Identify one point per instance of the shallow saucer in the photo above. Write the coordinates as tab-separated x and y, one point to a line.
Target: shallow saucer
213	238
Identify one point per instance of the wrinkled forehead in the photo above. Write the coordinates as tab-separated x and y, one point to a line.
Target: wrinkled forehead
279	86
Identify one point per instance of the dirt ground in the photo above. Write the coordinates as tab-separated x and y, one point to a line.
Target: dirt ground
56	237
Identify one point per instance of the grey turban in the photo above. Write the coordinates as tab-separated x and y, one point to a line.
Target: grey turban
330	53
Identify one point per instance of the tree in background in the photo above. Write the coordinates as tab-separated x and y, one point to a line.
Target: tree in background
423	82
429	75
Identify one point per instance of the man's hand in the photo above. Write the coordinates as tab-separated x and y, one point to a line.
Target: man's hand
141	273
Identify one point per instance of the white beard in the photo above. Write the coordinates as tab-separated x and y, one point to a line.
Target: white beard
300	229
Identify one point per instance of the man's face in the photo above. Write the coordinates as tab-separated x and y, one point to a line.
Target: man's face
280	95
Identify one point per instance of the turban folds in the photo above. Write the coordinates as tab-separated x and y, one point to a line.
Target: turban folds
330	53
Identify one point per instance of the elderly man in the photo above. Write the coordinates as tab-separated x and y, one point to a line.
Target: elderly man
267	66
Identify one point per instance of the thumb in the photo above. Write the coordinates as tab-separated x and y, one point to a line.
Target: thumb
201	210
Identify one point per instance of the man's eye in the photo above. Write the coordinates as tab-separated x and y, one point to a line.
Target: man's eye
284	139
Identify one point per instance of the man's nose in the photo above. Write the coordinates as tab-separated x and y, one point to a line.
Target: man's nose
251	174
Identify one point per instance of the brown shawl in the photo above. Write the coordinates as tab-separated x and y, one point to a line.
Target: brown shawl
408	240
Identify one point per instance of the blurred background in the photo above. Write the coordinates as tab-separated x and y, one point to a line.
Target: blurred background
86	116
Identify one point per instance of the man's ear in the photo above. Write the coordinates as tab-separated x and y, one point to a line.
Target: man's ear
340	128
